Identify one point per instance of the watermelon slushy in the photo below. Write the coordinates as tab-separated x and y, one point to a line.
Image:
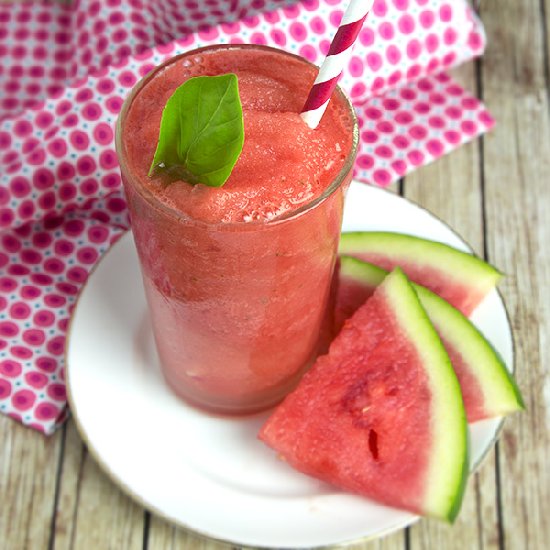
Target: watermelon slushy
237	278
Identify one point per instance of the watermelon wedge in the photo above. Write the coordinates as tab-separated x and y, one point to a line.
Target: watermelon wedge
381	415
460	278
488	389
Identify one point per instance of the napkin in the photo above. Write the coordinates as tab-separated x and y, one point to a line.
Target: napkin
65	71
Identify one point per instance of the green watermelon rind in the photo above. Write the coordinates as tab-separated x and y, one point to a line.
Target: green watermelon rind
448	467
500	391
461	267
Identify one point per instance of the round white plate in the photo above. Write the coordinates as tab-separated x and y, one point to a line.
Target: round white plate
209	473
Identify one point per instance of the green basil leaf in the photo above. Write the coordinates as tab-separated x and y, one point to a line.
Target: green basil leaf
201	131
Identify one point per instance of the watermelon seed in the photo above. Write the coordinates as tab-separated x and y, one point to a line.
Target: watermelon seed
373	444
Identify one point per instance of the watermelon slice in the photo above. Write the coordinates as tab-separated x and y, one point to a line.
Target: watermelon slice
460	278
488	389
381	415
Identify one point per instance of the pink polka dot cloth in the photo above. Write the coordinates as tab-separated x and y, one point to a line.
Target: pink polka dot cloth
64	73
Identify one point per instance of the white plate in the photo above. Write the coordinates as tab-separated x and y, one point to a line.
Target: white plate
210	473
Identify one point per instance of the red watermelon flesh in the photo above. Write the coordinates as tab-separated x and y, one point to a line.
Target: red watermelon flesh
458	277
475	403
365	419
352	294
488	390
457	294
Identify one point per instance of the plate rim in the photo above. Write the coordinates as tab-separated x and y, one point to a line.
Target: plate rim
127	490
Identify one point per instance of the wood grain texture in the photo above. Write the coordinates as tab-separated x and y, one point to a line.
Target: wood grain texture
517	175
163	536
28	471
93	513
395	541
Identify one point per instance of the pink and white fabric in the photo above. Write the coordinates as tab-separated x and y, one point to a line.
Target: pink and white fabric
64	73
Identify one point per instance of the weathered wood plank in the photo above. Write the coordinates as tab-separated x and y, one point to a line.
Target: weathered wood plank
164	536
92	512
517	172
28	471
487	494
395	541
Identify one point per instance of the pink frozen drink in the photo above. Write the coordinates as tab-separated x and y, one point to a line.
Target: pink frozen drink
238	278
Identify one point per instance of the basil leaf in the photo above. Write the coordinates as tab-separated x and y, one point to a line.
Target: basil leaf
201	131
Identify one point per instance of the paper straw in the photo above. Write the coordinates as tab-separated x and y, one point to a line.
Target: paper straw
335	61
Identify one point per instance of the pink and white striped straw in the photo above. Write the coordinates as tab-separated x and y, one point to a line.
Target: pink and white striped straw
335	61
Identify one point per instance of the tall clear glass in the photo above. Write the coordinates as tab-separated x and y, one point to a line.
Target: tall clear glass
237	308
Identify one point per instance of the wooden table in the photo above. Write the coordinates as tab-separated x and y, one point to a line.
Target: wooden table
494	192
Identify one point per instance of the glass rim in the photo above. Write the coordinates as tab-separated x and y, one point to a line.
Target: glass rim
151	198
